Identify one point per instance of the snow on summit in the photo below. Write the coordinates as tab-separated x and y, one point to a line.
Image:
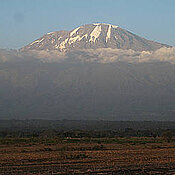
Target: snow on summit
95	33
74	31
93	36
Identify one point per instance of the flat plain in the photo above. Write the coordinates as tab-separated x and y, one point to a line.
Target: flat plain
86	156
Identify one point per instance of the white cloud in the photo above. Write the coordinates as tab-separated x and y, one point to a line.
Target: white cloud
103	55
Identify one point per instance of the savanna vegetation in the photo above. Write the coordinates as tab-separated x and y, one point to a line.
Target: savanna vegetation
55	151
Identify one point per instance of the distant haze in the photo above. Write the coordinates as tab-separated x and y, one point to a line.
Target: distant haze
88	85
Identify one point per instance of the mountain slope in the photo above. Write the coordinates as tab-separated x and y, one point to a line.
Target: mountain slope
117	91
93	36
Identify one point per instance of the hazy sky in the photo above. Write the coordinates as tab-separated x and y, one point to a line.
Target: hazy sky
22	21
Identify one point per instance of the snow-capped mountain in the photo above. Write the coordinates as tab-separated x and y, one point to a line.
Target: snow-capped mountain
93	36
49	80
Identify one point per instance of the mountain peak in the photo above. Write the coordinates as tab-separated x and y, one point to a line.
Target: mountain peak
105	24
93	36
